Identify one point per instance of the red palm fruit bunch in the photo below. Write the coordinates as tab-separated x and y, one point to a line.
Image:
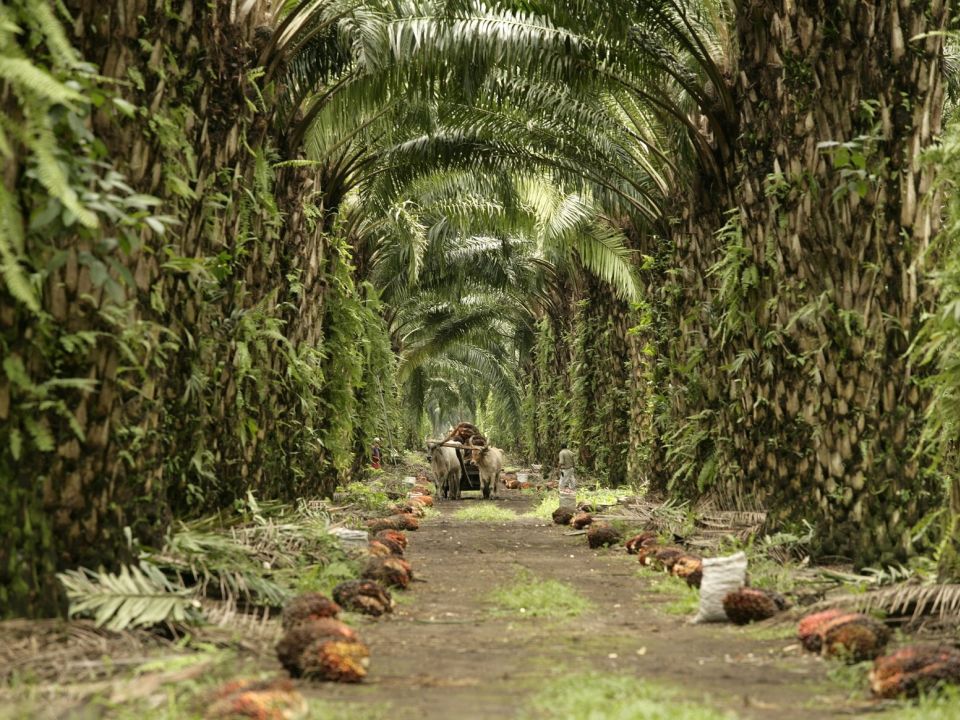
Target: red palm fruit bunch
852	636
364	596
424	500
562	516
404	521
388	571
644	539
421	488
688	568
808	631
511	483
659	557
601	534
275	699
915	669
581	520
748	605
392	547
377	548
394	536
408	508
308	606
645	554
324	650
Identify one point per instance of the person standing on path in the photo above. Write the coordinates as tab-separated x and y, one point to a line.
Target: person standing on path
567	479
376	455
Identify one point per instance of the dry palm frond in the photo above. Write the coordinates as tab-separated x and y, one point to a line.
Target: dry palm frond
64	652
914	601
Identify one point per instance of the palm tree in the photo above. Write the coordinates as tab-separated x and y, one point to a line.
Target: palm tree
795	373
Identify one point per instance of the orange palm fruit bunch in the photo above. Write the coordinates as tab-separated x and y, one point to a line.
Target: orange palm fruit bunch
306	607
581	520
324	649
388	571
275	699
748	605
601	534
364	596
915	669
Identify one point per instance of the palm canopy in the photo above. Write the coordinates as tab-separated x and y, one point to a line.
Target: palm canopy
474	153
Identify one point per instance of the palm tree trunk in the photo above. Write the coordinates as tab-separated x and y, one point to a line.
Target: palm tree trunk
196	425
823	410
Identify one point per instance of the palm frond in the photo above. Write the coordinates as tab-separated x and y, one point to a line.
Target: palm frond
135	597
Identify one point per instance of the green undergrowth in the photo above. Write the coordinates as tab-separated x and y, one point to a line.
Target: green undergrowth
172	687
591	696
530	596
944	705
485	512
594	496
323	578
253	558
370	496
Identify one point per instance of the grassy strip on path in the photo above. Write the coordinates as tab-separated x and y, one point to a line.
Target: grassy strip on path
531	596
485	512
591	696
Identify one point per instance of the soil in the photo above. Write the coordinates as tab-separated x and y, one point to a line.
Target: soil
446	653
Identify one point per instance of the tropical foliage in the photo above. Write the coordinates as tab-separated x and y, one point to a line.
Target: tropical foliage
684	236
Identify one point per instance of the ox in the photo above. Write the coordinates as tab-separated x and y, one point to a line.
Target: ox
489	460
446	470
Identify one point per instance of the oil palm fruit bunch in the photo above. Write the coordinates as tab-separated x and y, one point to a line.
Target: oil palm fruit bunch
915	669
562	516
364	596
644	539
748	605
581	520
376	548
854	637
394	536
402	521
601	534
324	649
391	546
408	508
424	500
388	571
688	568
663	558
308	606
810	628
274	699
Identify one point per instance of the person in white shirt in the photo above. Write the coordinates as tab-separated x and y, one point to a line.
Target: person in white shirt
567	479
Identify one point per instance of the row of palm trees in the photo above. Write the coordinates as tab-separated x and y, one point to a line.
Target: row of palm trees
537	132
698	219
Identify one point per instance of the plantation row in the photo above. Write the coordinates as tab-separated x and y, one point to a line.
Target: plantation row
708	244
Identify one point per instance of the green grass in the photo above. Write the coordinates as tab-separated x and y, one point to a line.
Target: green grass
686	600
944	705
594	496
485	512
329	710
592	696
530	596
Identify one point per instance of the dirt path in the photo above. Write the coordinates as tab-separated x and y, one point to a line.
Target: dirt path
445	654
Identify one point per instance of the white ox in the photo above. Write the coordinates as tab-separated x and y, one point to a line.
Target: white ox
489	460
446	470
